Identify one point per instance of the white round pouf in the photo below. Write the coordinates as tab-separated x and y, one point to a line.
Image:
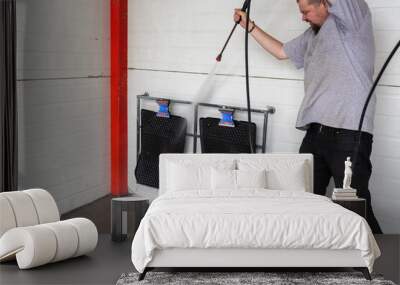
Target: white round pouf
67	240
23	208
7	216
31	233
37	245
32	246
87	233
46	207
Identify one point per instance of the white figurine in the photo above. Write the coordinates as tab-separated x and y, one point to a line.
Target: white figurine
347	174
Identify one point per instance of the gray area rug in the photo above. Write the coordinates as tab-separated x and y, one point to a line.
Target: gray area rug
233	278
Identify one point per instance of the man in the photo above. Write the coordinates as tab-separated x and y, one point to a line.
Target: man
337	53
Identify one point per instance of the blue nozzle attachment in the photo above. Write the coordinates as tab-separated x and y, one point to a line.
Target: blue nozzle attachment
163	111
226	118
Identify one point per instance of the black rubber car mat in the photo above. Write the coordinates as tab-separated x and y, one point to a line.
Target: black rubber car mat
158	135
219	139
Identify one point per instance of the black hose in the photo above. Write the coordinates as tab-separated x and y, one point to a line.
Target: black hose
357	146
245	8
247	75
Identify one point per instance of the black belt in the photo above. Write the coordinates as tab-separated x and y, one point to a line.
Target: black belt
316	128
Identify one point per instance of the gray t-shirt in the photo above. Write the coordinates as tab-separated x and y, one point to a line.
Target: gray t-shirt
338	64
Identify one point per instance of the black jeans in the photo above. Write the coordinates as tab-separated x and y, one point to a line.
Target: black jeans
330	148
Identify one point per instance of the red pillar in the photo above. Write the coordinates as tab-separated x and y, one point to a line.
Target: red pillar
119	96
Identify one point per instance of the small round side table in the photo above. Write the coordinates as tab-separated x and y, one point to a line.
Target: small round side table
126	214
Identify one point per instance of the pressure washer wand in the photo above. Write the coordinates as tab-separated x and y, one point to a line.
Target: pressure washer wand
244	8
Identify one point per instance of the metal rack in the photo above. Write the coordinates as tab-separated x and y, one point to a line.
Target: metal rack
146	96
266	112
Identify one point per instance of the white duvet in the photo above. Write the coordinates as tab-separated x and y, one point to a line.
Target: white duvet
252	218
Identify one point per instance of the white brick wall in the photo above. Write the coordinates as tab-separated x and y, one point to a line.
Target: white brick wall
185	37
63	98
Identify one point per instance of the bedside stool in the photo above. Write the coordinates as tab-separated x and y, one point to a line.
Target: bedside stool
357	205
126	214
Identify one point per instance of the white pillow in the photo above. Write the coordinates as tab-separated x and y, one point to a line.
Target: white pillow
186	175
282	174
291	178
226	179
251	178
223	179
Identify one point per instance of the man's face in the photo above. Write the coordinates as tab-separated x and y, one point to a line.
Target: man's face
314	14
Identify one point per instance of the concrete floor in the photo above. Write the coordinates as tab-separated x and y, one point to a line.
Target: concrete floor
111	259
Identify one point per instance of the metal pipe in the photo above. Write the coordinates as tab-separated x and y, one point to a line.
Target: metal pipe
138	126
196	117
244	8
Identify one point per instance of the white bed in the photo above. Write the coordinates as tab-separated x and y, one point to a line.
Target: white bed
198	223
